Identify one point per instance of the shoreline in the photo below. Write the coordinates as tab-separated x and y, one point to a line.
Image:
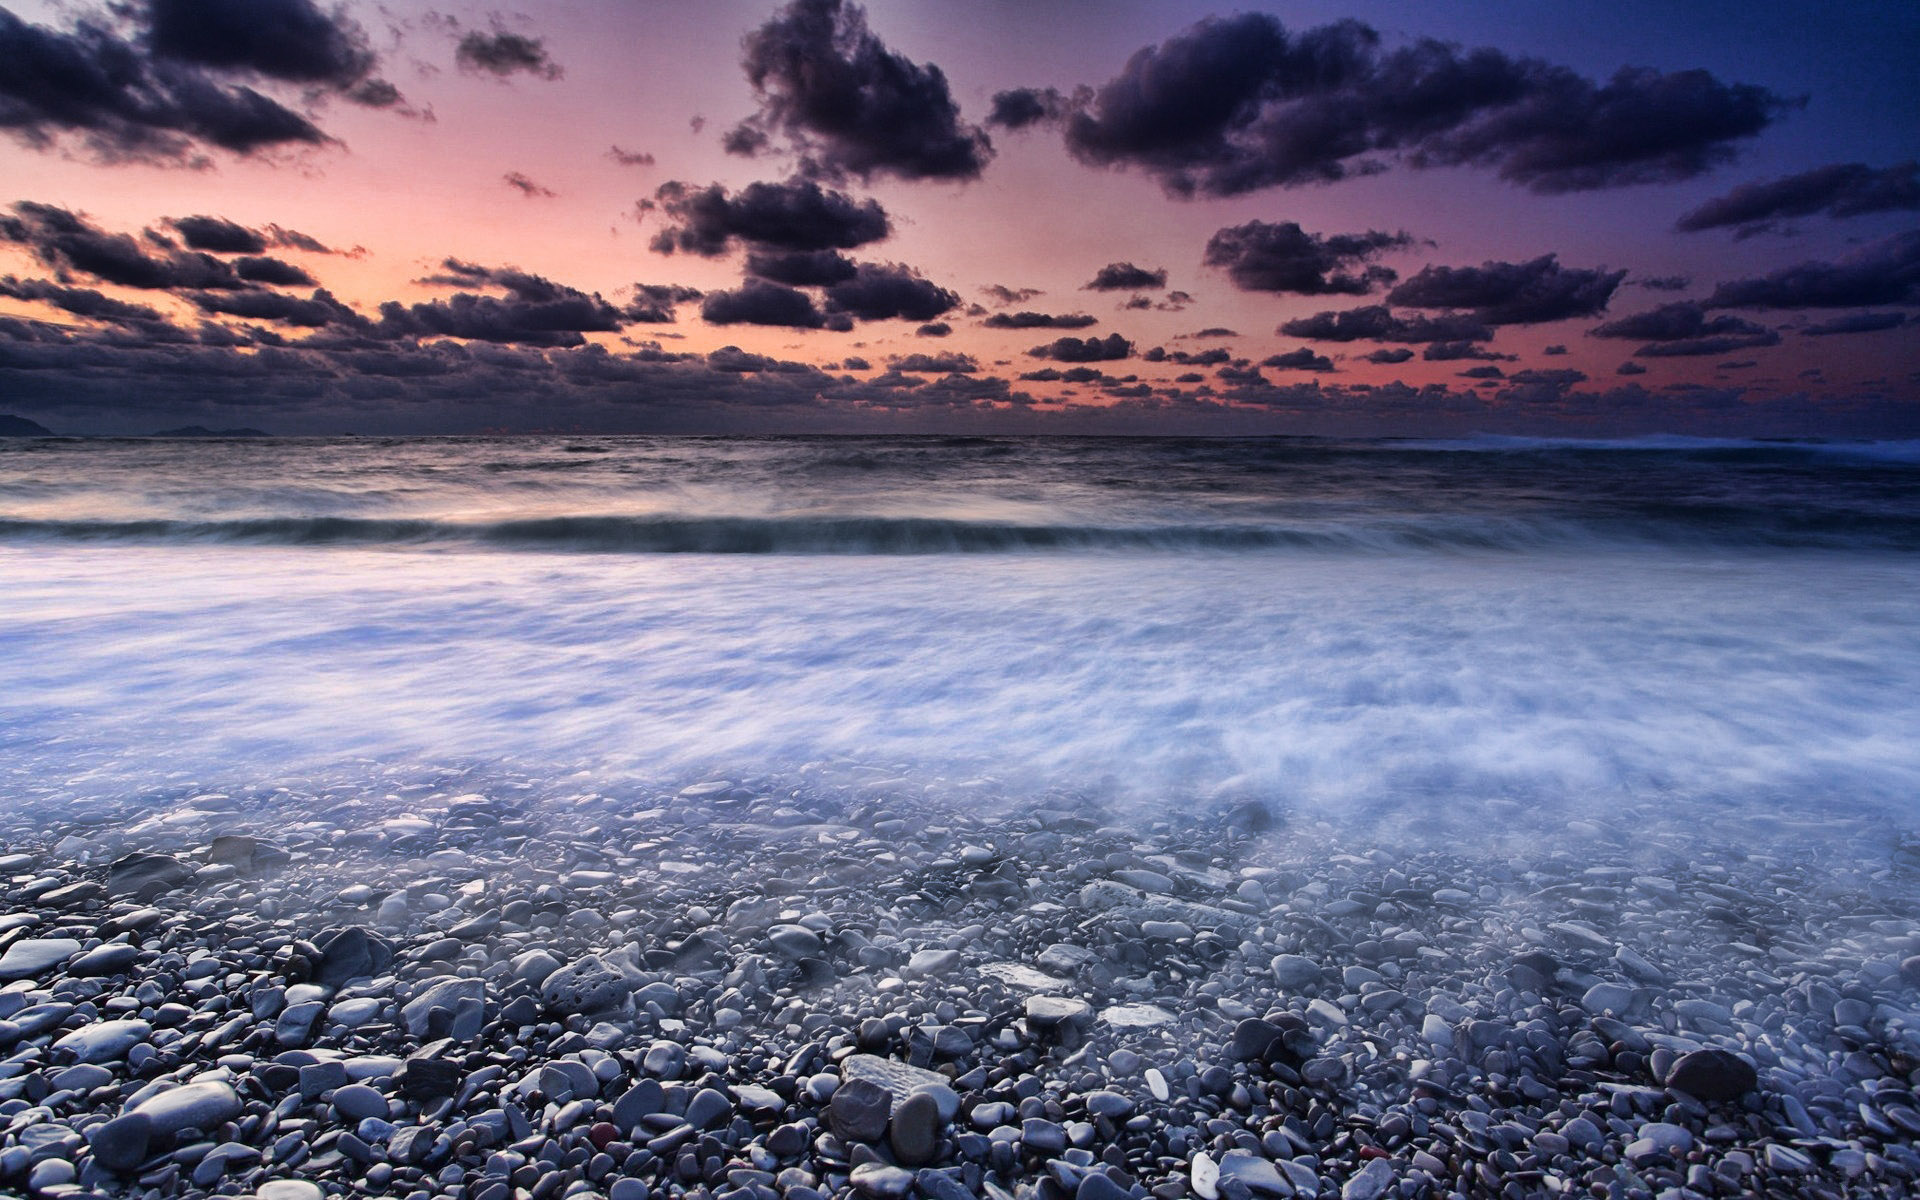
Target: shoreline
483	996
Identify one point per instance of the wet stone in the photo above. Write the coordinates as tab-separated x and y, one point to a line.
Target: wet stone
859	1111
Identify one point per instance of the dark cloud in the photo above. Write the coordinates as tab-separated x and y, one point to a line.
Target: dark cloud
527	187
797	215
738	361
260	268
1211	331
1554	350
535	311
850	105
1125	277
1074	375
1840	190
127	106
653	303
502	54
801	268
934	329
854	362
1681	320
1503	293
878	291
1237	104
1003	296
1630	368
69	242
1378	323
1701	347
1483	373
290	40
1085	350
1021	107
1886	272
629	158
81	302
219	235
1661	283
1261	257
321	309
758	302
1039	320
1302	359
1558	379
1210	357
935	364
1397	354
1871	322
1455	351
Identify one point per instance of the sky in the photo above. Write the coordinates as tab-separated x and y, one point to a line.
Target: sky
1011	216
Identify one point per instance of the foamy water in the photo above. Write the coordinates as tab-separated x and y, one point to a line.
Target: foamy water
1353	629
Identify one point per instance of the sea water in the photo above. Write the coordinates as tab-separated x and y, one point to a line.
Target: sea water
1349	629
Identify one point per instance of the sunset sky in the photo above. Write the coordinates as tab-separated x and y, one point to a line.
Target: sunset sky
1003	215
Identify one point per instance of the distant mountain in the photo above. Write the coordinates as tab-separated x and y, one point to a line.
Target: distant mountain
12	426
201	431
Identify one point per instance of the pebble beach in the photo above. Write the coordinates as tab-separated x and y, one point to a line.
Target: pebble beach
841	983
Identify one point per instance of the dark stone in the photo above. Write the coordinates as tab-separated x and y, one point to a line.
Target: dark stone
145	876
1713	1074
858	1111
428	1078
121	1144
915	1133
350	953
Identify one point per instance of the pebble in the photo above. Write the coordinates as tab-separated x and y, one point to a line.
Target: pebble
31	957
1713	1074
586	985
103	1041
1294	970
204	1106
859	1110
914	1133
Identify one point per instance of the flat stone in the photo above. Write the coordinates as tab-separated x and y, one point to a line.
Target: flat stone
104	1041
899	1079
707	1108
1294	970
1136	1016
929	963
109	959
1369	1182
1022	976
32	957
145	876
880	1181
794	941
859	1110
1261	1177
421	1014
206	1106
289	1189
1052	1012
350	953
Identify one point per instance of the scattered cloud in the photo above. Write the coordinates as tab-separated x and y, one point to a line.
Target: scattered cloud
1263	257
1455	351
849	105
527	187
1125	277
1678	321
654	303
796	215
1870	322
67	241
758	302
503	54
878	291
629	158
1302	359
1503	293
1378	323
935	364
81	302
1039	320
1020	107
1004	296
1839	190
1084	350
934	329
1886	272
801	268
1238	104
1396	354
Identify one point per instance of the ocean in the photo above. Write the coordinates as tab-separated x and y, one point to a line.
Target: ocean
1364	631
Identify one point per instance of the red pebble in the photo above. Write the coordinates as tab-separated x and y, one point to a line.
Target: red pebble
602	1133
